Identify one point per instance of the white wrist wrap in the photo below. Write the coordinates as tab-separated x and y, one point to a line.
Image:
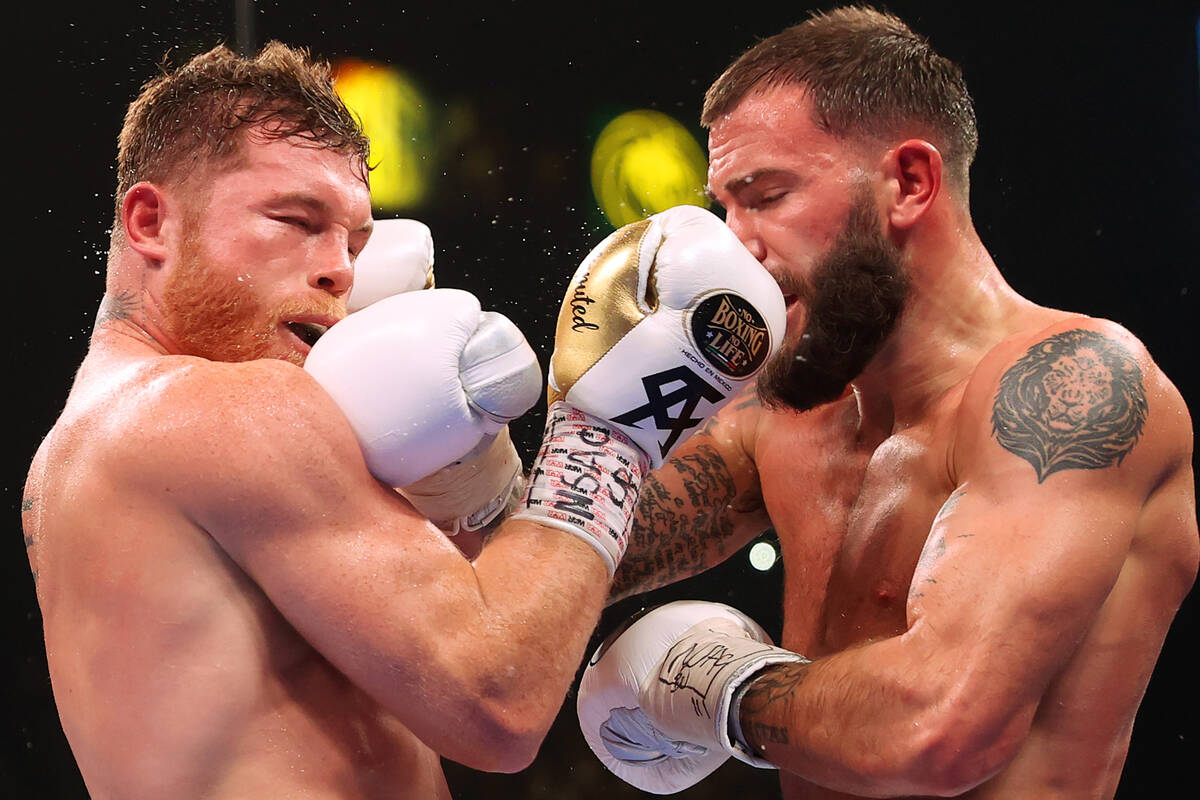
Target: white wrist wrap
472	491
691	694
585	480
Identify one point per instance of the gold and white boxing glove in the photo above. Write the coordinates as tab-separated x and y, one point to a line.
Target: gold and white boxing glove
662	324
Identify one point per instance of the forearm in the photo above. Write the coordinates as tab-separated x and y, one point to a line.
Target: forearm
523	630
690	517
870	721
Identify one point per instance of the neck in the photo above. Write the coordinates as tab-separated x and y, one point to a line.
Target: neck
958	308
130	309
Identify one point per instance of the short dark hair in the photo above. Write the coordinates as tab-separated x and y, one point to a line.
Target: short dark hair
194	115
867	73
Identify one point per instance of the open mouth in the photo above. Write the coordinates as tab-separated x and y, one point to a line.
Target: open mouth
307	332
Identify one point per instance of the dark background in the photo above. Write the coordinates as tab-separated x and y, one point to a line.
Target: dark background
1084	191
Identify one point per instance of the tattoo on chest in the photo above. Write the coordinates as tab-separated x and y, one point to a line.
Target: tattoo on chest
1074	401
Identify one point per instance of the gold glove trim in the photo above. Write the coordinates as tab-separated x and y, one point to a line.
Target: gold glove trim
600	307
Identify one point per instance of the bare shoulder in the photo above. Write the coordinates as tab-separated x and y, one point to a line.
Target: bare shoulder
1079	394
208	437
202	415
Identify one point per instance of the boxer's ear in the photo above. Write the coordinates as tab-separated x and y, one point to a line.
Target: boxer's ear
914	170
143	215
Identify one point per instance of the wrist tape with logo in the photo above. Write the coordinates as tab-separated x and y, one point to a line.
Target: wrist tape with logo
585	480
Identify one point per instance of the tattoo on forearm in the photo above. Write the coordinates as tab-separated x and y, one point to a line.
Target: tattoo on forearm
770	692
672	534
1073	401
774	686
757	733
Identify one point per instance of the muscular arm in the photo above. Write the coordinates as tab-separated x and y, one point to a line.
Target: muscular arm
475	659
1064	448
699	508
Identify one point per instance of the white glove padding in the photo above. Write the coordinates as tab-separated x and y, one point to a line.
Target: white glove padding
424	378
468	494
398	258
654	699
663	323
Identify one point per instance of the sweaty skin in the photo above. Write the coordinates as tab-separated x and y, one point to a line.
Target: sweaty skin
233	606
985	539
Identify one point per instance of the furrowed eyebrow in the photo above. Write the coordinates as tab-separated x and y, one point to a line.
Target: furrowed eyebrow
313	204
298	199
735	185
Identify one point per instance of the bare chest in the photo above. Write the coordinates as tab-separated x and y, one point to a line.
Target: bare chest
852	519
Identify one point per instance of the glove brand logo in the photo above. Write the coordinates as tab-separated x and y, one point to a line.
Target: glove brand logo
579	303
658	405
731	334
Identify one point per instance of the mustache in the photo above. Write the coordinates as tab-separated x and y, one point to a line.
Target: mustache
328	305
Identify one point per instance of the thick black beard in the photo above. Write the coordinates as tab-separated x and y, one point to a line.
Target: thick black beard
854	298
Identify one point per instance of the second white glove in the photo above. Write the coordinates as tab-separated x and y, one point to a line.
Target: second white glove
654	701
424	379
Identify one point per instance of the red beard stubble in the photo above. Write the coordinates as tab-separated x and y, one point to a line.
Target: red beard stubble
218	316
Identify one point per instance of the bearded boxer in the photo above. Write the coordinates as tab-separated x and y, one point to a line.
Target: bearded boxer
985	506
242	588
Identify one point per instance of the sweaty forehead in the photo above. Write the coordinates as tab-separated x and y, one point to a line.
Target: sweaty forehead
291	165
769	128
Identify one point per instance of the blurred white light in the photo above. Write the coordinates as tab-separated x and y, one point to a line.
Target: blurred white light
762	556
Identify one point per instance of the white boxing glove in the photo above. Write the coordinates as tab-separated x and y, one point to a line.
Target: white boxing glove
398	258
425	379
655	698
663	323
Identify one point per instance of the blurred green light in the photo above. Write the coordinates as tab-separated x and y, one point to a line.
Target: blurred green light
645	162
394	116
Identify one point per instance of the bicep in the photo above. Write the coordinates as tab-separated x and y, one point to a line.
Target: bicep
1022	572
1055	467
285	492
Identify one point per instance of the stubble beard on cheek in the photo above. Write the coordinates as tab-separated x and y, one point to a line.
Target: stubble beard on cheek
215	316
852	301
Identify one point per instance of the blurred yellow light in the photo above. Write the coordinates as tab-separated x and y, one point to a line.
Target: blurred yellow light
645	162
394	116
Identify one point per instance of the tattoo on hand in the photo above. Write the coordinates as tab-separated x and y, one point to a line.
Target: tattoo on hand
1074	401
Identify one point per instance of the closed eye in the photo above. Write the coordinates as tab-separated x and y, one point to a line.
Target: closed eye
768	199
297	222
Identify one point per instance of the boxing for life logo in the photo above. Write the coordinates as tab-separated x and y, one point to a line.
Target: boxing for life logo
731	334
